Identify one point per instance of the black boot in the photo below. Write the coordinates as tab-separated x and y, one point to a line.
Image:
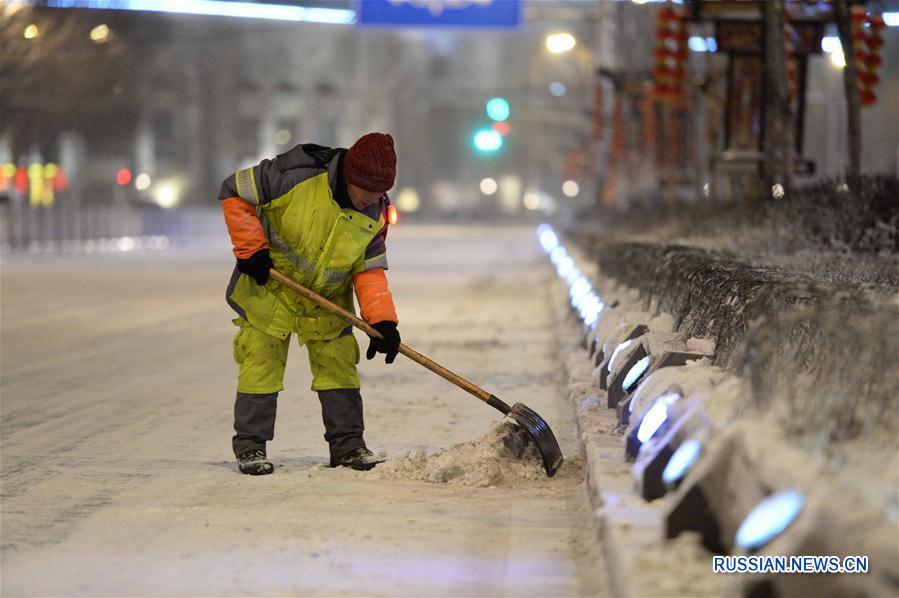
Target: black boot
360	459
253	462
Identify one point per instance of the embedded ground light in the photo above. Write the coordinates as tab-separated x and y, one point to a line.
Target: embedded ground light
683	459
769	519
634	374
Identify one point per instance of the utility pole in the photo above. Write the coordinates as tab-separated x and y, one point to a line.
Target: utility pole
779	132
853	101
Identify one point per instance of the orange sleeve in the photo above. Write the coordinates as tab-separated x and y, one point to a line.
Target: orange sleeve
244	227
375	300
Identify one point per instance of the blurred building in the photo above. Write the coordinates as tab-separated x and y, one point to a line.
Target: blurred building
211	95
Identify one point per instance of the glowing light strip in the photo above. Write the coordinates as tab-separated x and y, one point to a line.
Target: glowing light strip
583	299
220	8
891	19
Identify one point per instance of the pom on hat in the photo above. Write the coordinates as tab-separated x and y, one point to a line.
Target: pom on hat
371	163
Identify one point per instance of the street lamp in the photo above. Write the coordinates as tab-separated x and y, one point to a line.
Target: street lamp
488	186
558	43
100	33
570	188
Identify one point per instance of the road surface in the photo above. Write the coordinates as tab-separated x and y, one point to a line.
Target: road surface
117	475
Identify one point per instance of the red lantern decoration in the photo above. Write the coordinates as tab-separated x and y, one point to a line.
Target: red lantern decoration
20	180
868	40
670	54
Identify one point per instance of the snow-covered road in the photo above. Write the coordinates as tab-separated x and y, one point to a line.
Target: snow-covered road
117	476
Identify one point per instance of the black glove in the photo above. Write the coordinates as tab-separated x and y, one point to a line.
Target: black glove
257	266
389	345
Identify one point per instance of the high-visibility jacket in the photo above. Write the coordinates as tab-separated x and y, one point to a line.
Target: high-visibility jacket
290	206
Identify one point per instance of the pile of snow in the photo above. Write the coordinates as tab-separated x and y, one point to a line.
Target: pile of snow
502	456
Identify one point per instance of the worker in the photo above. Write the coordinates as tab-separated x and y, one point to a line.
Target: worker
319	215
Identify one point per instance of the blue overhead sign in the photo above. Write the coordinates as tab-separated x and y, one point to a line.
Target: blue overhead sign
488	14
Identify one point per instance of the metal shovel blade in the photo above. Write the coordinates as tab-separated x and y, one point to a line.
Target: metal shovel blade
539	431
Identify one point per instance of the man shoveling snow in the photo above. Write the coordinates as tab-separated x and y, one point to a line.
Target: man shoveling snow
318	215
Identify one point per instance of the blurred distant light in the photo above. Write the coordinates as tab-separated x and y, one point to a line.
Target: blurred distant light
488	140
20	180
407	200
571	188
558	89
706	188
282	137
557	43
531	200
100	33
488	186
502	128
142	181
548	238
498	109
777	191
557	254
579	288
831	43
123	177
702	44
697	44
31	31
393	216
891	19
838	59
126	243
166	194
566	268
590	308
220	8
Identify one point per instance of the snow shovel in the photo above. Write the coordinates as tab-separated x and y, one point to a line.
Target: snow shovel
521	414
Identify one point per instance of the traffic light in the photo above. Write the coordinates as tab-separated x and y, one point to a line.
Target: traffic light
498	109
487	140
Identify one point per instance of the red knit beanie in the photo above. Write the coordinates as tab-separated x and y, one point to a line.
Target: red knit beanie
371	163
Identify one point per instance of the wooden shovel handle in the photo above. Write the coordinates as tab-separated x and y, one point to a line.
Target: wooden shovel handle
404	349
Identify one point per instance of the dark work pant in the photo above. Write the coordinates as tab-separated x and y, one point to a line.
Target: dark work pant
254	420
342	414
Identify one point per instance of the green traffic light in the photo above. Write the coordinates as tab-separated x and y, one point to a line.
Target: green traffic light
487	140
498	109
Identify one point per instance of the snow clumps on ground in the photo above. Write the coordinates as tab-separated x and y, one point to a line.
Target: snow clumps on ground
504	455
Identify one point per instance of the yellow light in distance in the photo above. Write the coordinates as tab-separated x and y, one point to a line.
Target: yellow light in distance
557	43
100	33
488	186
